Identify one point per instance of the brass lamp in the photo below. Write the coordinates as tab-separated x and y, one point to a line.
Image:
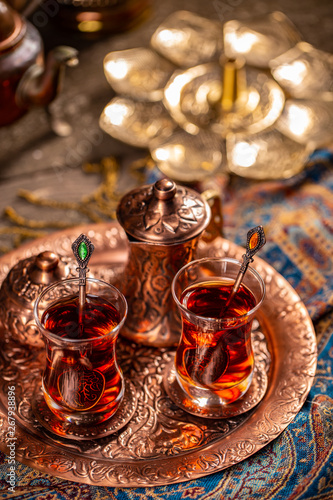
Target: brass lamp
242	98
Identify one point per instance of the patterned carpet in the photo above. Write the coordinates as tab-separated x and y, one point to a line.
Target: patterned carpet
298	218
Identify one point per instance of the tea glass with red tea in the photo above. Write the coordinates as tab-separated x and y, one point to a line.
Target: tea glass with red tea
214	360
82	382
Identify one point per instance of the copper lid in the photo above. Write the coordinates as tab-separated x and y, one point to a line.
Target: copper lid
27	278
163	213
21	287
12	27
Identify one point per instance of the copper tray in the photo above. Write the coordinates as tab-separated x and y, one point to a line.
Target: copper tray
162	444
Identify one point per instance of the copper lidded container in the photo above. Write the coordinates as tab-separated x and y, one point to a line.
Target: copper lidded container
20	289
163	223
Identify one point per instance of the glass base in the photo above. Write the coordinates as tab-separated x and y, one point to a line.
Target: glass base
203	403
209	399
84	429
88	417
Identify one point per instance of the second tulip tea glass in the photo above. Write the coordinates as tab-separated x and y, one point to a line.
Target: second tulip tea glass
82	382
214	360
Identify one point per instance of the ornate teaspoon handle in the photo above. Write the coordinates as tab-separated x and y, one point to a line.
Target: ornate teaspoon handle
255	240
82	250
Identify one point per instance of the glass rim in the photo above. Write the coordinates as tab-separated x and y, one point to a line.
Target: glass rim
55	337
219	320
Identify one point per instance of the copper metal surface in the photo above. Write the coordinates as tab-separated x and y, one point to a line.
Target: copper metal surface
12	27
21	287
163	222
163	213
162	444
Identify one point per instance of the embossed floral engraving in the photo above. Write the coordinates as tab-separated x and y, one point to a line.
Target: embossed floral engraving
146	217
147	287
163	223
162	444
17	296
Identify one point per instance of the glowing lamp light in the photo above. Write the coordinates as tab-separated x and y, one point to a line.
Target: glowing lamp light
171	37
116	113
117	68
299	119
162	154
293	73
245	154
172	93
174	153
241	43
254	99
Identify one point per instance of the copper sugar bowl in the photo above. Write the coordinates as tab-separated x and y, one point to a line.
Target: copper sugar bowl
20	289
163	223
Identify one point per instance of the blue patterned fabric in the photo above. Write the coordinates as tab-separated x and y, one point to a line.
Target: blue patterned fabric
298	218
297	215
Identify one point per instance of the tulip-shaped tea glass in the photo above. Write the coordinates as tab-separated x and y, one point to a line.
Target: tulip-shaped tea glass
214	360
82	382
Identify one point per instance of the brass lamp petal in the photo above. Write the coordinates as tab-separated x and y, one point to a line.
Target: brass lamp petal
266	155
187	158
261	39
305	72
188	39
307	122
139	73
135	123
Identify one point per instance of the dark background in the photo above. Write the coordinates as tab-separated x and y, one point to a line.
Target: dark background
34	158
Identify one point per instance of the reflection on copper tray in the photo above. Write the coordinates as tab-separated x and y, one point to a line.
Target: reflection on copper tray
182	446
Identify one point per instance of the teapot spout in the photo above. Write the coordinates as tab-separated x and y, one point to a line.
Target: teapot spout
40	85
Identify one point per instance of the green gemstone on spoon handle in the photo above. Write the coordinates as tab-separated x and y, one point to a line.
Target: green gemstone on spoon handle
82	250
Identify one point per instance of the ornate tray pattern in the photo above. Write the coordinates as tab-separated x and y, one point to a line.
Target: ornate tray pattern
161	444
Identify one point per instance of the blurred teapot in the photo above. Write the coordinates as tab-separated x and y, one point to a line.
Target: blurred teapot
25	80
163	223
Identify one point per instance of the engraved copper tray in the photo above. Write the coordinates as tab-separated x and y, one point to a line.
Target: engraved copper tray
161	444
